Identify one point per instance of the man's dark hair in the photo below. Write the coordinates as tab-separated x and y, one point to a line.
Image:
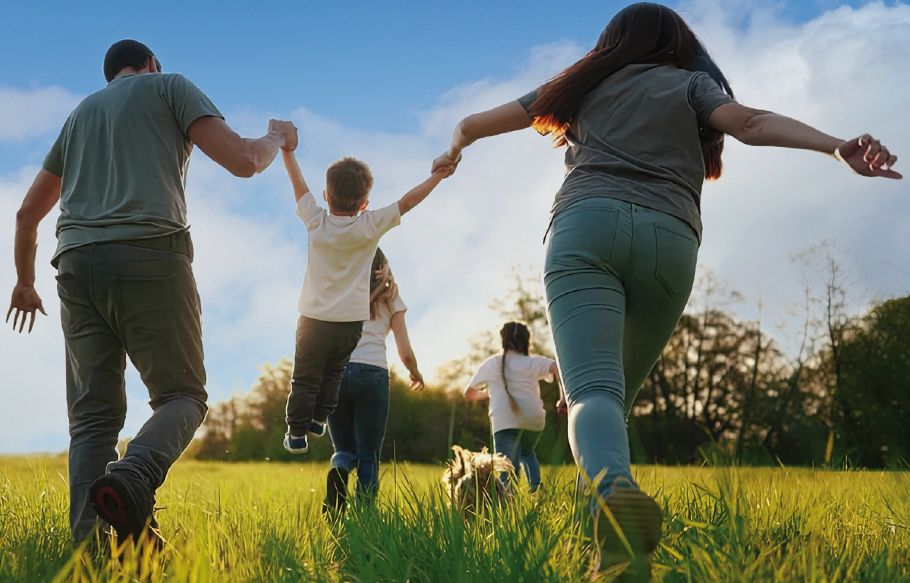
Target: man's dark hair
347	184
126	53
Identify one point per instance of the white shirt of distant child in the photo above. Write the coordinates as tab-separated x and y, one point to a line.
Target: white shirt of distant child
522	373
340	250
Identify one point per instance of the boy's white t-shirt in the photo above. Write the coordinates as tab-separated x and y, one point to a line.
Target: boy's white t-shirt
522	372
336	286
371	348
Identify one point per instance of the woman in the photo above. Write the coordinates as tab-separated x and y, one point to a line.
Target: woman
516	409
644	116
358	424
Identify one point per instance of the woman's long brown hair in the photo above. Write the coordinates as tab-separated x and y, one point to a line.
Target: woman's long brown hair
382	284
643	33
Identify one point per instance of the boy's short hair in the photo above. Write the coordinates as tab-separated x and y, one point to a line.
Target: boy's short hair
348	183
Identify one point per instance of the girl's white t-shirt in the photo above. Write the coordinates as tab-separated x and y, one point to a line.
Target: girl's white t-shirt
522	373
371	348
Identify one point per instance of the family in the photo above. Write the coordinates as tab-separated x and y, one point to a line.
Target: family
643	117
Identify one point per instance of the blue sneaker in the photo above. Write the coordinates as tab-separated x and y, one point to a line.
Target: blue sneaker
316	429
295	444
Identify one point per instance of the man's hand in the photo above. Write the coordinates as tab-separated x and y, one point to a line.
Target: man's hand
287	130
867	157
417	381
25	301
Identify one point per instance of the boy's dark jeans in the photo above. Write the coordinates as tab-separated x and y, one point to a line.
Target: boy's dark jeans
117	300
359	422
322	351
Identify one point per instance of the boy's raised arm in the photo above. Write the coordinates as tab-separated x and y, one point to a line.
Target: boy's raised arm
416	195
294	173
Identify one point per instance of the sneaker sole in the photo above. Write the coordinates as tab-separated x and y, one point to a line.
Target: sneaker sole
336	493
640	519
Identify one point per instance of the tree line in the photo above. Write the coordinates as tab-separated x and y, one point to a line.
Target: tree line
722	390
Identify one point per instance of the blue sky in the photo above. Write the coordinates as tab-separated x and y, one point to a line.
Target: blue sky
386	82
372	64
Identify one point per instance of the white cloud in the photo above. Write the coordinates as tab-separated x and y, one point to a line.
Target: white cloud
27	114
846	71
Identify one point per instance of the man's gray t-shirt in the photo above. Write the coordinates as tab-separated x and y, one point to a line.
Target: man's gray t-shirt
636	139
123	155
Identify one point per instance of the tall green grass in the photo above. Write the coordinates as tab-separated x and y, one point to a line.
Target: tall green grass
262	522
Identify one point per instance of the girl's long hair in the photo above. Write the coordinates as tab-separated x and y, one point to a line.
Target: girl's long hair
383	288
643	33
515	336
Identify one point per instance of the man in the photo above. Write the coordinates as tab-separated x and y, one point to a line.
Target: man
125	279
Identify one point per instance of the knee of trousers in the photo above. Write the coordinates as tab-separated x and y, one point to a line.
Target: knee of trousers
344	459
597	390
99	428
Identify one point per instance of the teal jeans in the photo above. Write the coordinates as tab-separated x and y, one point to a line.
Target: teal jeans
617	278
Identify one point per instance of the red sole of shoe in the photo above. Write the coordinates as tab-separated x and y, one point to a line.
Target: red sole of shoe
116	517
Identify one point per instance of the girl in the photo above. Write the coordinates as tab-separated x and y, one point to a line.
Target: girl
358	424
516	409
643	116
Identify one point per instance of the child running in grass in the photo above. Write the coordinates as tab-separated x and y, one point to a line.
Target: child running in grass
335	299
517	415
359	421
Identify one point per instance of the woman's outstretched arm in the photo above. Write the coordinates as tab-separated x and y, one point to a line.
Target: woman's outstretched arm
506	118
865	155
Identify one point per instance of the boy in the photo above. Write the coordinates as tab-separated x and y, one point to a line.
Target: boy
335	299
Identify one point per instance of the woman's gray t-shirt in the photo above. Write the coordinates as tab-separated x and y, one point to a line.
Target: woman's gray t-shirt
636	139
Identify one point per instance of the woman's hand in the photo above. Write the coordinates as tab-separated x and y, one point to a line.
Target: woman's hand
562	407
417	381
446	160
868	157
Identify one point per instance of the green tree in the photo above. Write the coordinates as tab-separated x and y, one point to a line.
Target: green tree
874	386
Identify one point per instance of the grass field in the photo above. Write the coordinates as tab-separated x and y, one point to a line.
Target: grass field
262	522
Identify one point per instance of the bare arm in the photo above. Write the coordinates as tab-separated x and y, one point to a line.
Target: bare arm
242	157
294	173
39	200
416	195
405	352
561	405
474	394
506	118
755	127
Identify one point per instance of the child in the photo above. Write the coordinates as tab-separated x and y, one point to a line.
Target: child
516	409
335	299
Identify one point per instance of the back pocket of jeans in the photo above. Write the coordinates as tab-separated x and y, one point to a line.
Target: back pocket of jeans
677	255
146	303
583	235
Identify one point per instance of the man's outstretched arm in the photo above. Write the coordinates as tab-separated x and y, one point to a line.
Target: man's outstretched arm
39	200
242	157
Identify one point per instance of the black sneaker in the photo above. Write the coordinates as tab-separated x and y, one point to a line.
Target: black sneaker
128	505
336	496
316	429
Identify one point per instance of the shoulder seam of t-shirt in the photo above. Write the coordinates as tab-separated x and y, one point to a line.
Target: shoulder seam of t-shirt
691	86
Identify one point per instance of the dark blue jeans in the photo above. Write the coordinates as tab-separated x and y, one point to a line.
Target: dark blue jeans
518	445
358	423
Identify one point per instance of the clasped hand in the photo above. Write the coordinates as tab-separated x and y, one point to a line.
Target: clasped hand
287	130
868	157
